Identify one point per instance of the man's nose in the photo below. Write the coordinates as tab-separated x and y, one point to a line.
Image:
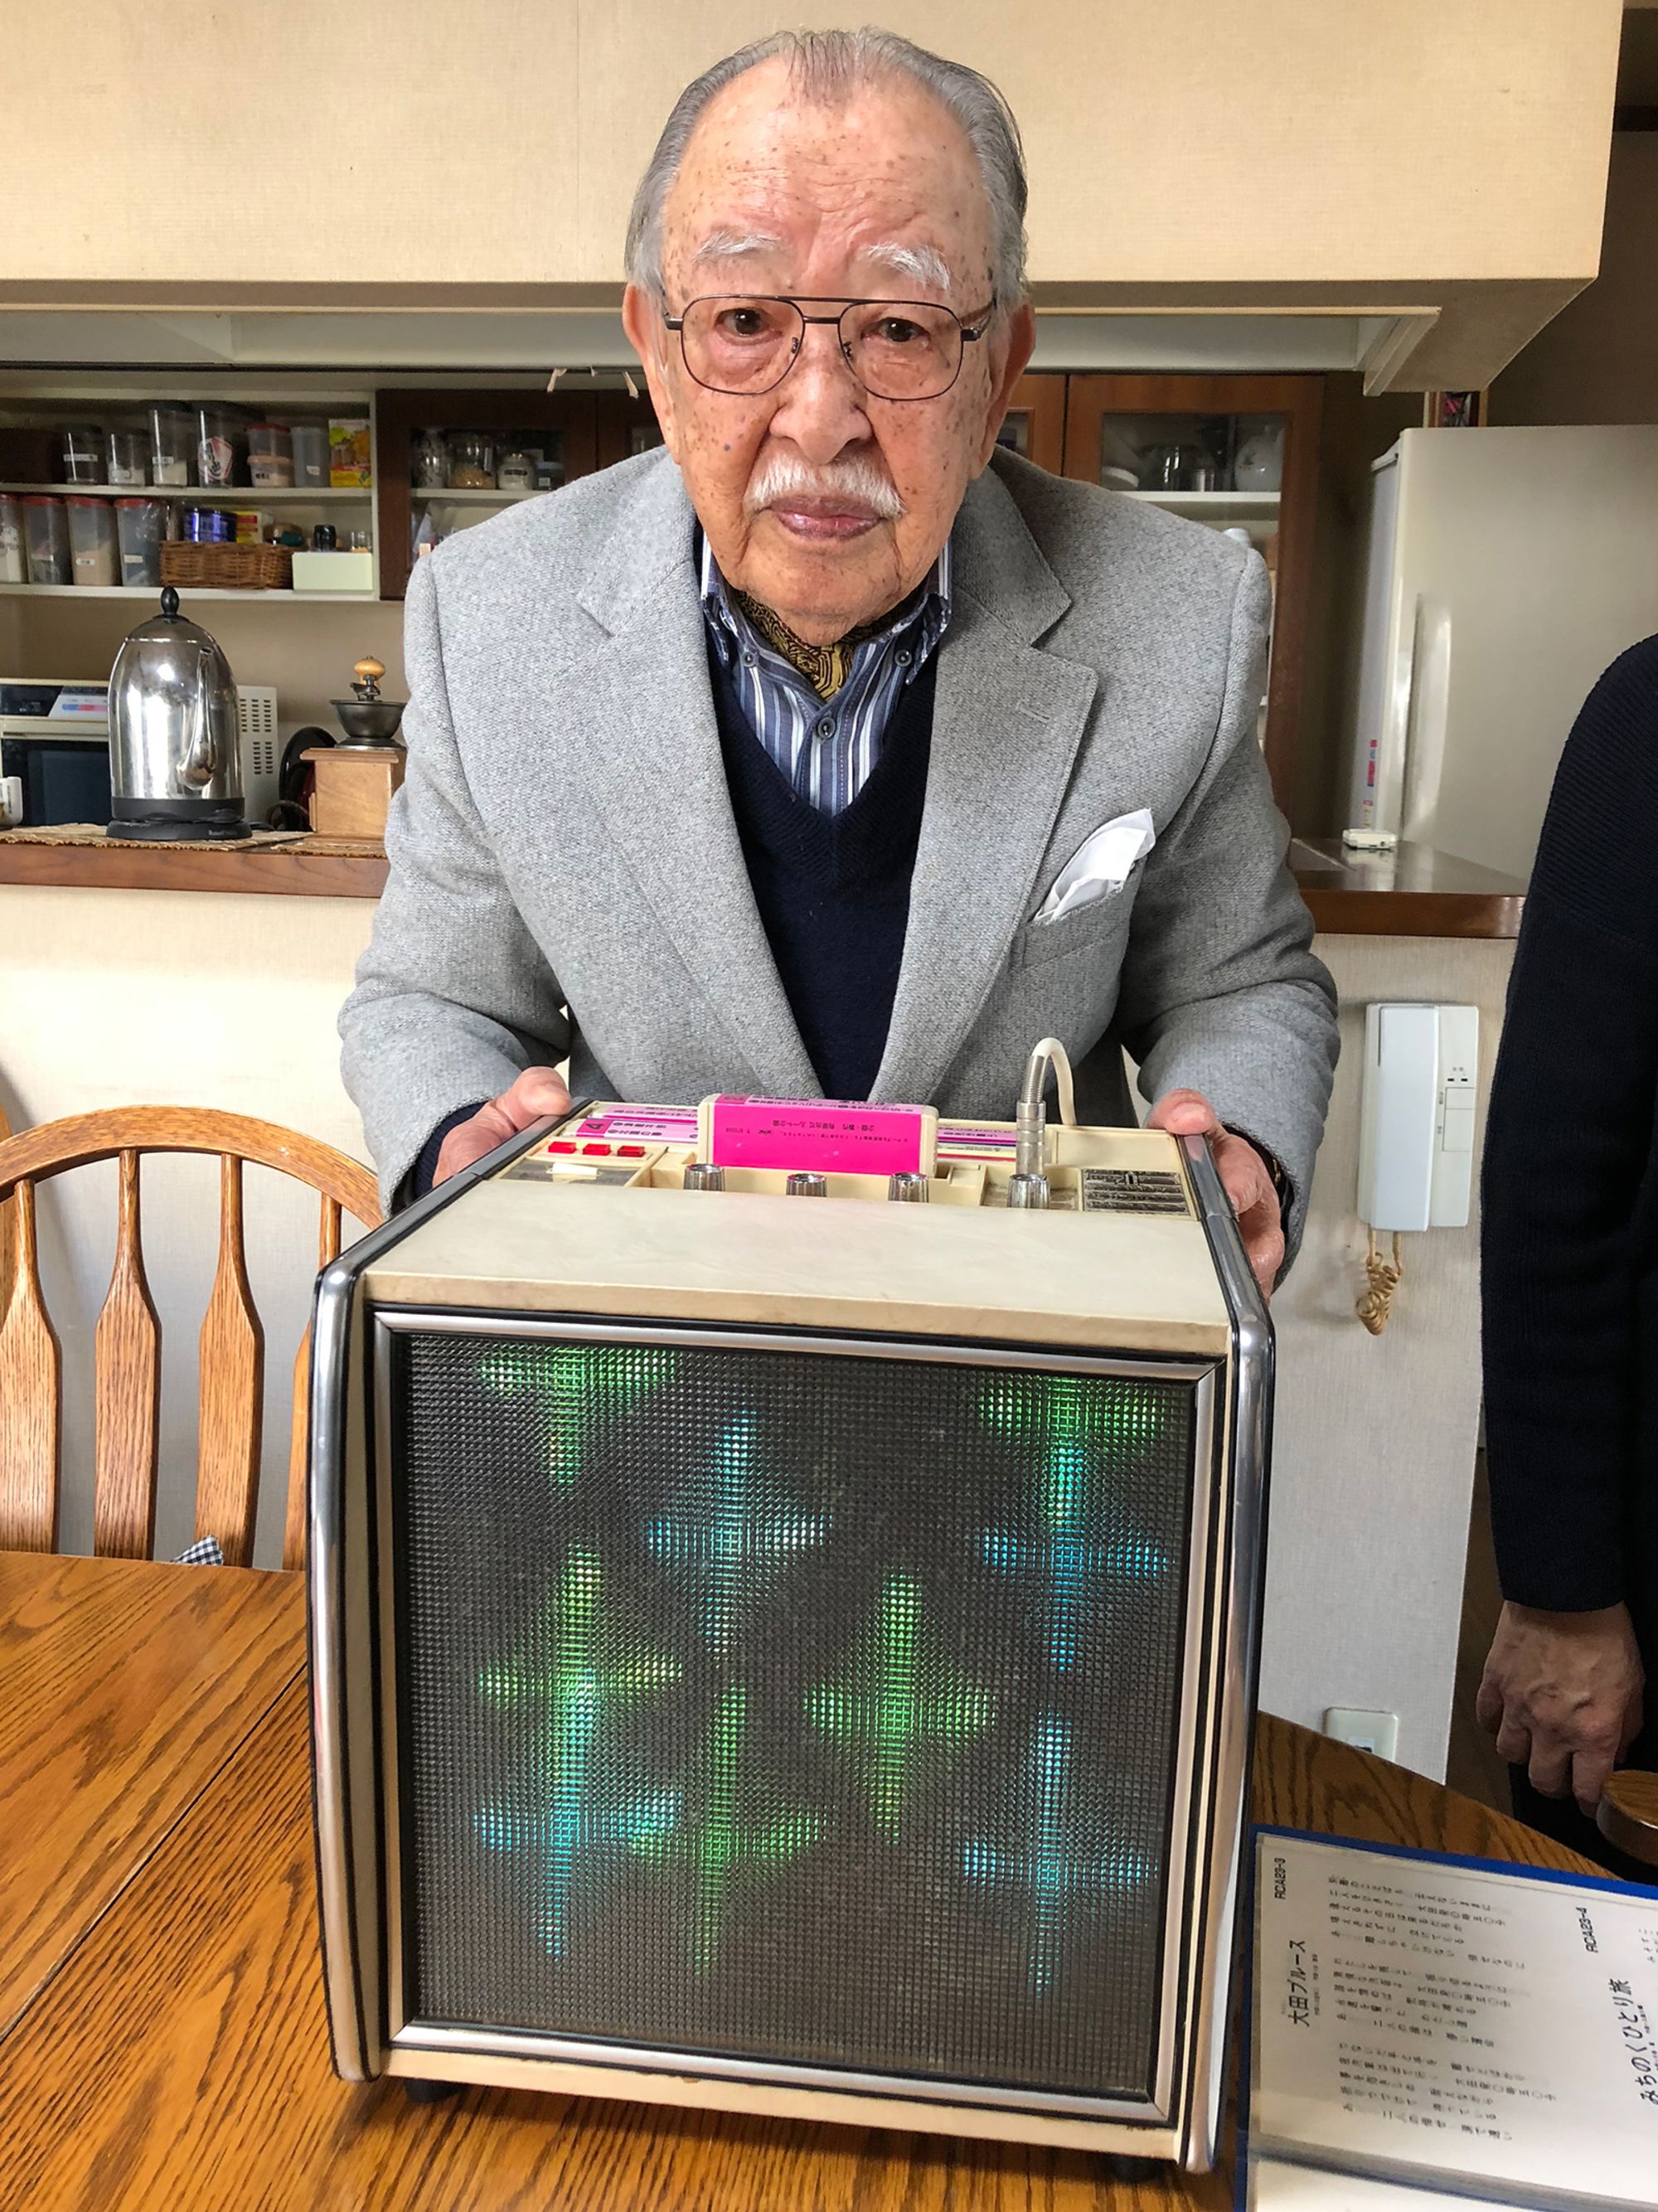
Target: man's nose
820	408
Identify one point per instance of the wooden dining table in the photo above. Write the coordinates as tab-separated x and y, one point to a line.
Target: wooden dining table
162	2037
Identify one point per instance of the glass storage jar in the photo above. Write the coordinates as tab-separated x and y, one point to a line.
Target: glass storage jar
431	460
471	461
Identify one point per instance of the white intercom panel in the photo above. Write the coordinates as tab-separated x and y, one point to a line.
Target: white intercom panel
1416	1134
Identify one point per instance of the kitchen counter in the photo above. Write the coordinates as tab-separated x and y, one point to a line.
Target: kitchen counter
1414	892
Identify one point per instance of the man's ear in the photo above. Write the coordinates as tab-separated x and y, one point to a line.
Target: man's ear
1010	358
643	325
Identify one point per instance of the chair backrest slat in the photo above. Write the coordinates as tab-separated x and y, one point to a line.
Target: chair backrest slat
328	1248
128	1393
231	1341
232	1388
31	1399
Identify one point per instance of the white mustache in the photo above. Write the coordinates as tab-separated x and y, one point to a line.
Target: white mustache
784	476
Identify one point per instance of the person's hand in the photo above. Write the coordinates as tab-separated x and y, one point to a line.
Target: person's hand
1561	1695
538	1092
1243	1173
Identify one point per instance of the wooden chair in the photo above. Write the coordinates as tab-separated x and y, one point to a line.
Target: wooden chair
1628	1815
7	1234
128	1343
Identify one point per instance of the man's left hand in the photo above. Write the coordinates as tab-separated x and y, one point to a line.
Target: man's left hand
1243	1173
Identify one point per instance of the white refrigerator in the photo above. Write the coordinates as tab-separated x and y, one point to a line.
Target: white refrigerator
1505	569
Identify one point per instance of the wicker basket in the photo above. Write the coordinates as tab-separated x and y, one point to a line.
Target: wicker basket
226	568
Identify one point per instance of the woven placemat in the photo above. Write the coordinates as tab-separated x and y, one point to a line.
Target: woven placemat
94	832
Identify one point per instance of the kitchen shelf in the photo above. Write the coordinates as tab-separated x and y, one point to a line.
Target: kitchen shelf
1210	502
428	496
206	495
191	592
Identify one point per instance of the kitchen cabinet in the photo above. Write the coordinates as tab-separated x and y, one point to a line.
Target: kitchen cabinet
1036	420
574	433
1235	452
1435	174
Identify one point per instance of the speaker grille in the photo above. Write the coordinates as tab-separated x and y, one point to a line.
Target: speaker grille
788	1704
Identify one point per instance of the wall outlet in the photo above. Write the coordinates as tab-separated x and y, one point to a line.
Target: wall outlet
1376	1732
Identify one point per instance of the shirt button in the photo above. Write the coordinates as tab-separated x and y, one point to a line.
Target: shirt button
750	660
826	727
903	656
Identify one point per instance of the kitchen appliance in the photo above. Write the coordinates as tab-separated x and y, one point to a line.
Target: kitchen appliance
794	1659
175	735
365	718
1505	570
54	752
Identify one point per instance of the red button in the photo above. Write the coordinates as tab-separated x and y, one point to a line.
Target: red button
557	1146
630	1152
603	1150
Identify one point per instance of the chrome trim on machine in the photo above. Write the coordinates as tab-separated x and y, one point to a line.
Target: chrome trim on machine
1241	1542
343	1830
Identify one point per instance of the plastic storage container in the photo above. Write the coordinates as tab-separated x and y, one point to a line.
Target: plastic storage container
171	445
128	457
14	556
221	447
82	449
269	455
309	441
46	528
91	541
140	526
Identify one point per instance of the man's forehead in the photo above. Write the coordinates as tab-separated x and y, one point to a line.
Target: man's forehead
885	173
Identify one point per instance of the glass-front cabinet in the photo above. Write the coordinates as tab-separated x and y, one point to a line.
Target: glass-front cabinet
1237	453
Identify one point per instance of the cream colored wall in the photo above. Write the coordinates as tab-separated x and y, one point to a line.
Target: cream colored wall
1372	1462
183	999
1396	153
1597	361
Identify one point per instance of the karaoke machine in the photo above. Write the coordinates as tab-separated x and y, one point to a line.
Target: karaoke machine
795	1658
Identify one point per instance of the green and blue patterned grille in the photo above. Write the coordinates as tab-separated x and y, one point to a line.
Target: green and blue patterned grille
789	1705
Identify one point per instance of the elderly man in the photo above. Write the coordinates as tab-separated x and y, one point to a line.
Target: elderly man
767	763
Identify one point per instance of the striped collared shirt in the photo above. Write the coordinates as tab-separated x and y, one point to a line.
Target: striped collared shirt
828	748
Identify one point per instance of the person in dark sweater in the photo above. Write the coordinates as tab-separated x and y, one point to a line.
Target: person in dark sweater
1570	1248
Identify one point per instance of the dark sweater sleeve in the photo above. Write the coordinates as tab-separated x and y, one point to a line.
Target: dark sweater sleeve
426	1167
1568	1145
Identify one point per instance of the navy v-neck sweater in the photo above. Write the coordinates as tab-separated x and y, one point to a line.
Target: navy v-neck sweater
833	891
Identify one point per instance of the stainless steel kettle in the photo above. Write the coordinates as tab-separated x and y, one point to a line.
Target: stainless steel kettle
175	758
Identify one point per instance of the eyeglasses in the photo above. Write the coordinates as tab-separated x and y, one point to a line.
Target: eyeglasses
743	343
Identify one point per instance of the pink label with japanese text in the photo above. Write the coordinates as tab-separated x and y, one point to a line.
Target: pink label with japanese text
641	1125
828	1136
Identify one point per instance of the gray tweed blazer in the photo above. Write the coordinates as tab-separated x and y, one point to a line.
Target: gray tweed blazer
565	875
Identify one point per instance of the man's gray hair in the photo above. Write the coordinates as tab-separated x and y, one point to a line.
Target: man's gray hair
828	66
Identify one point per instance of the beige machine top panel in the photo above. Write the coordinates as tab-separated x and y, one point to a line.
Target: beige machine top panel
1097	1279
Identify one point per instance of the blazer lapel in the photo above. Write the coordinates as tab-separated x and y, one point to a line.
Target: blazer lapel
654	767
1007	725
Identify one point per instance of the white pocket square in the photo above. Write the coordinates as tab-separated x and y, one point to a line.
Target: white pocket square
1099	866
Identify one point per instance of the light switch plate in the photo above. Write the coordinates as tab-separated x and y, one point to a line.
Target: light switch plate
1376	1732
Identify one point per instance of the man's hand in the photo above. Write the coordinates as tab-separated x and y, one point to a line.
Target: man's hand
538	1091
1561	1695
1242	1171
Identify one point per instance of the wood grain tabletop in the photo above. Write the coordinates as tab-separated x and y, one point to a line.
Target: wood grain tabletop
180	2057
125	1687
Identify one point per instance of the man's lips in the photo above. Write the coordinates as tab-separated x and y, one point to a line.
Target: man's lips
824	518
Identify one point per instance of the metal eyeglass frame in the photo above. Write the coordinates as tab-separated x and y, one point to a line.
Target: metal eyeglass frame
972	327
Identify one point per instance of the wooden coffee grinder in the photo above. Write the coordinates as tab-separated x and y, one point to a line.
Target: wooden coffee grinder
356	779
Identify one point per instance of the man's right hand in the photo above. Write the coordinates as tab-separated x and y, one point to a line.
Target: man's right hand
538	1092
1561	1695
